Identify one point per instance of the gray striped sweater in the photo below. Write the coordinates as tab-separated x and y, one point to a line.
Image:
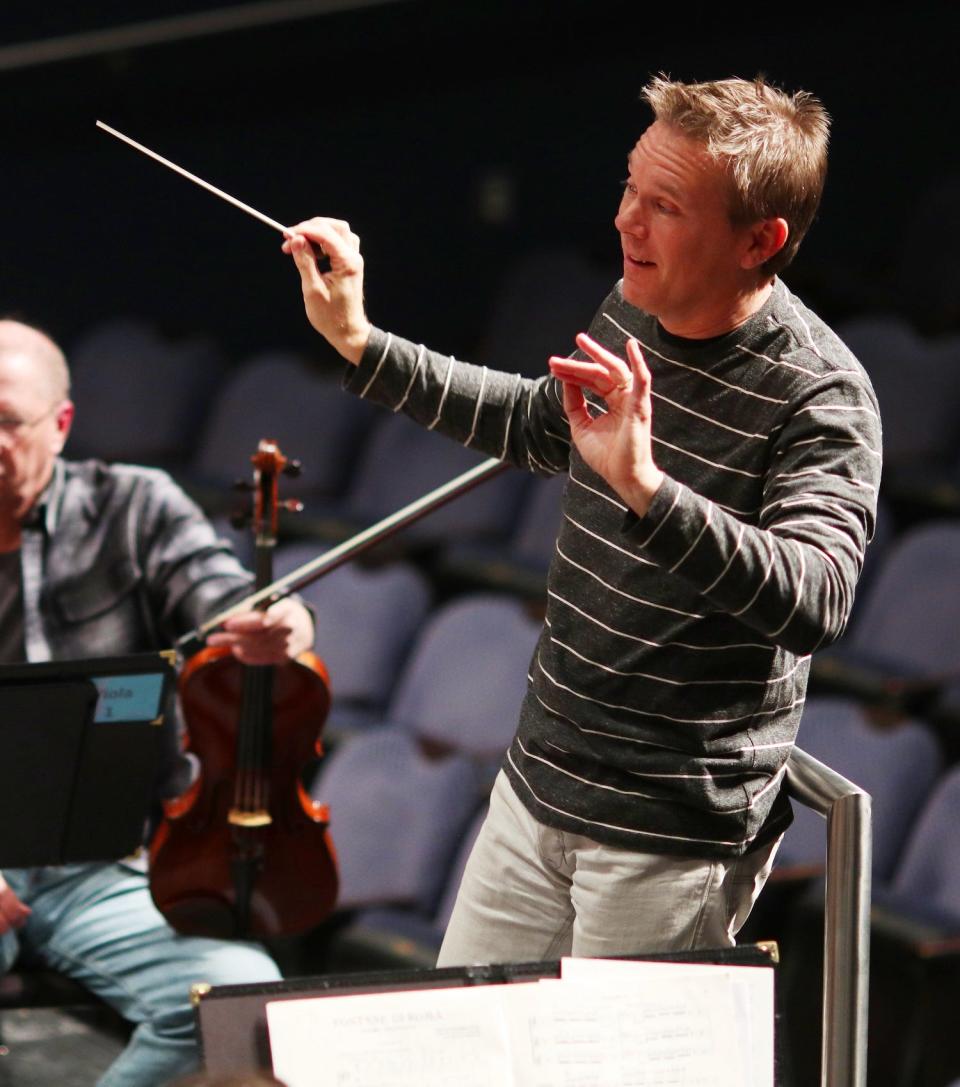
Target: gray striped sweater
668	682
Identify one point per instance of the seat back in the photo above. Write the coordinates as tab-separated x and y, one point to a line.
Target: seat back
402	462
908	618
545	298
929	869
367	618
395	817
466	676
917	382
140	397
278	395
896	765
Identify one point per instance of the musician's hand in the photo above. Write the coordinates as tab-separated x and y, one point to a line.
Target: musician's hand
333	299
13	913
616	444
274	636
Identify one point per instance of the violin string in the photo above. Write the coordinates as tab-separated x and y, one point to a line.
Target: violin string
259	726
245	789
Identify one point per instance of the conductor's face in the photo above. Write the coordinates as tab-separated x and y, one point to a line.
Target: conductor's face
683	258
33	427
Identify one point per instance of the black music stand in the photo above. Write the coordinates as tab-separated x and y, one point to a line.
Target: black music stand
80	749
232	1019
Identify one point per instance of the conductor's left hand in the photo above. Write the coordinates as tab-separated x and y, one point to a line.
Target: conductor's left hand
616	444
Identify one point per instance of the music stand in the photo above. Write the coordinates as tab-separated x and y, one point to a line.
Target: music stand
232	1019
80	746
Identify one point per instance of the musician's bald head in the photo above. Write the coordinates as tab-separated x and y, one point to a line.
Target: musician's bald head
35	418
19	339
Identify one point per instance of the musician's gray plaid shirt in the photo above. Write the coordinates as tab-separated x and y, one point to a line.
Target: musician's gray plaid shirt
117	559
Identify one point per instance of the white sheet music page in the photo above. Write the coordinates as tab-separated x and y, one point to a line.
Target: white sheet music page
410	1038
604	1023
751	998
676	1034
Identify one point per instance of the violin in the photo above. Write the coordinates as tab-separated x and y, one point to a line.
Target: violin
245	852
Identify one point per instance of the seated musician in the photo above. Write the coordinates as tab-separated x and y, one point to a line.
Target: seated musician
98	560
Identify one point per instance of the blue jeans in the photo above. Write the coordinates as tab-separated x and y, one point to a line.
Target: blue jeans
530	892
97	923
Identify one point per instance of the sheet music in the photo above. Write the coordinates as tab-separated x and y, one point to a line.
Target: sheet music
752	1000
412	1038
603	1023
678	1034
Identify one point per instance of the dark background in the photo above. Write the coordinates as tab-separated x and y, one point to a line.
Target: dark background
455	137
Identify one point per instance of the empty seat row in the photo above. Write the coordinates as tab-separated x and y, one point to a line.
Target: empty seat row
359	464
145	397
878	713
405	796
914	969
901	651
917	381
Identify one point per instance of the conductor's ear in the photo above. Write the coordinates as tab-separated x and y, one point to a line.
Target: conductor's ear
765	239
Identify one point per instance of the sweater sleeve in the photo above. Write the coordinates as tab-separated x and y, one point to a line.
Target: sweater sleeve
791	576
516	419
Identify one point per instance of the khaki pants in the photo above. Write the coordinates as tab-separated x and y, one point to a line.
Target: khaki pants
530	893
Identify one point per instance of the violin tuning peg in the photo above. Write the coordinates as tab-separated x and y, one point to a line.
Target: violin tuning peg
293	468
294	505
242	485
240	518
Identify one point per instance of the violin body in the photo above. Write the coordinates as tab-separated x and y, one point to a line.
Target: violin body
245	852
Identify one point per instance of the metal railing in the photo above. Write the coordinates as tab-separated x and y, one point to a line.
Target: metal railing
846	941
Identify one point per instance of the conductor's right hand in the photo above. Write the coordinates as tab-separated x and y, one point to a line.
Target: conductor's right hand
334	298
13	913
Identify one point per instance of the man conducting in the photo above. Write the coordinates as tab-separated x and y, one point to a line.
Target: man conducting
723	456
98	560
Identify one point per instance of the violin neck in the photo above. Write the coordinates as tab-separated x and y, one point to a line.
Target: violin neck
263	563
254	727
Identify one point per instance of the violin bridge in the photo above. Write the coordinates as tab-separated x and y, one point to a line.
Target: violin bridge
240	818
